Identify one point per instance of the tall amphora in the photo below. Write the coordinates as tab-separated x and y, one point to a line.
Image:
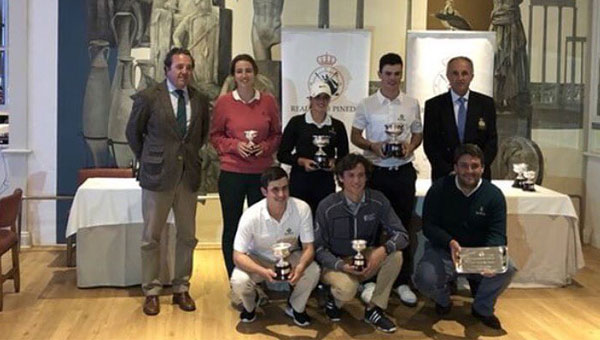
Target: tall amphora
119	114
96	103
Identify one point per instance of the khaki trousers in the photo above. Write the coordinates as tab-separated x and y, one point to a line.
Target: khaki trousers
155	210
344	285
244	284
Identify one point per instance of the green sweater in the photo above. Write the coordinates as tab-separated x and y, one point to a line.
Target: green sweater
475	221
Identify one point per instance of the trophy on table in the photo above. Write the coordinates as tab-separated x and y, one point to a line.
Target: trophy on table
519	169
320	156
477	260
250	135
358	261
282	267
529	184
393	147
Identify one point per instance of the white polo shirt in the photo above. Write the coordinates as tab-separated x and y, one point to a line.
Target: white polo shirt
258	231
373	112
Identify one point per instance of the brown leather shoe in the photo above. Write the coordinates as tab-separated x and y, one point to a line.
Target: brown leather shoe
151	305
185	301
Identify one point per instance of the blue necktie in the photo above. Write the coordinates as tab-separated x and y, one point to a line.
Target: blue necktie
181	116
462	119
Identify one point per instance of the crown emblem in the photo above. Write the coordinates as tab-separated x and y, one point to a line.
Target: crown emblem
326	59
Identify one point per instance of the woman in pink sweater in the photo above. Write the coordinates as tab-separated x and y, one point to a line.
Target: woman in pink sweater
239	115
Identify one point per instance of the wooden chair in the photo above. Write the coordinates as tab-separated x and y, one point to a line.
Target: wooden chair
10	209
82	175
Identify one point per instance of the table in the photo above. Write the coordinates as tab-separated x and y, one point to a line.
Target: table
107	216
542	232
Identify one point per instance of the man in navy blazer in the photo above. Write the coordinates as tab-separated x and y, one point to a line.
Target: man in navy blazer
457	117
167	127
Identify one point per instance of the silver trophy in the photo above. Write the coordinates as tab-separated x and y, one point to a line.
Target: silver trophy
358	261
282	267
519	169
320	156
393	146
529	184
250	135
477	260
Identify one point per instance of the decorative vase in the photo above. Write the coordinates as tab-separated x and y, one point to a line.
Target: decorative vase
124	26
120	110
145	67
96	103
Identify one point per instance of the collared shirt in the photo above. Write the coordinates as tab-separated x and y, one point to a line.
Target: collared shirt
309	120
236	96
354	206
463	190
175	97
258	231
373	112
456	104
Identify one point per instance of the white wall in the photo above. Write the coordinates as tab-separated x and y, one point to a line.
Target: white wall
42	112
32	58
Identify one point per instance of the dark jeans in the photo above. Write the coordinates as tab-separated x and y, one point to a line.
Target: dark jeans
311	187
398	186
233	189
436	270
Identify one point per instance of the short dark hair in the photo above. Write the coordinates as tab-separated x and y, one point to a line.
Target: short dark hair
460	57
244	57
389	59
174	51
349	162
272	174
468	149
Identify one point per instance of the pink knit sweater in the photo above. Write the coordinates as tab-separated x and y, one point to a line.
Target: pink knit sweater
231	118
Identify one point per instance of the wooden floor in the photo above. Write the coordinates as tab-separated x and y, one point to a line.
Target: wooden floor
50	306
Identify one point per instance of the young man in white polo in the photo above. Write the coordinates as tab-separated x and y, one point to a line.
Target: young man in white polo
276	218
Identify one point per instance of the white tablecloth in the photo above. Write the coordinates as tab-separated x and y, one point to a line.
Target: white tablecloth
107	216
543	234
106	201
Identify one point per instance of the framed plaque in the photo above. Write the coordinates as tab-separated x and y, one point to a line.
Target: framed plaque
482	259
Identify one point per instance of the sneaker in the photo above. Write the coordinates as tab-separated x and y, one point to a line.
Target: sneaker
367	292
331	310
247	317
407	296
300	319
376	318
443	310
491	321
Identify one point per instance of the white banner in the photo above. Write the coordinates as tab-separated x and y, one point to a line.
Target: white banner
427	54
338	57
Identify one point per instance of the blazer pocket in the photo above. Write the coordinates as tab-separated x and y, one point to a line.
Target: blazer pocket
152	165
155	150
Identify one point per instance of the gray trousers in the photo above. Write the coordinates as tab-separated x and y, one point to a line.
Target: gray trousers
155	209
436	270
244	284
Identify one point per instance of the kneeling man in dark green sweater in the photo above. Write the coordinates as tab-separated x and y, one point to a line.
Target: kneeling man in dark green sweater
462	209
